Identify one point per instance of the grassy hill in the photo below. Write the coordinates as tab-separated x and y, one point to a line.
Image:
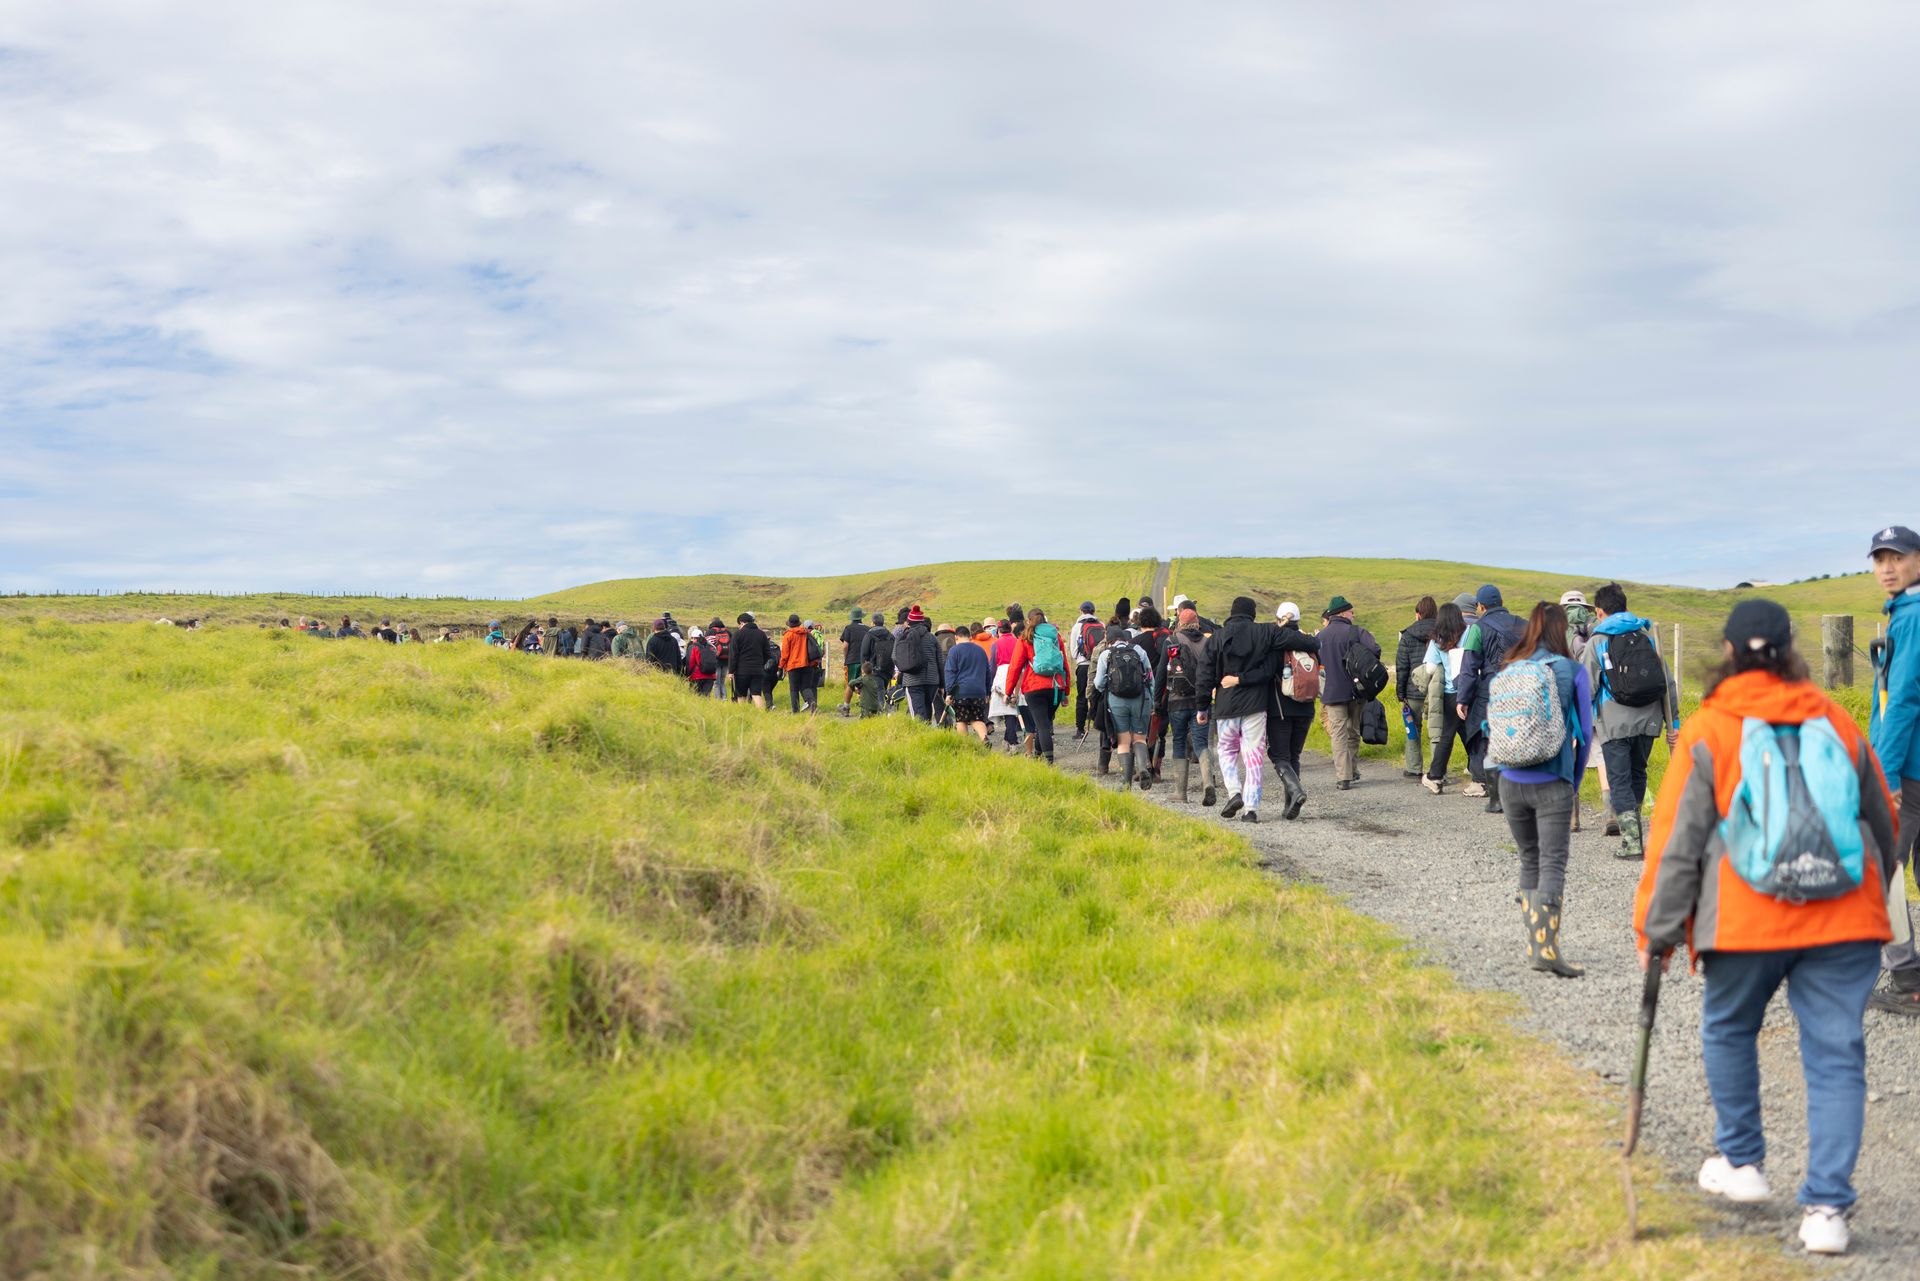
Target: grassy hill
1384	591
353	961
953	591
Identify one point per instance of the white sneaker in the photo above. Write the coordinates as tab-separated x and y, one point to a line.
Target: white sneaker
1474	789
1433	785
1743	1183
1824	1230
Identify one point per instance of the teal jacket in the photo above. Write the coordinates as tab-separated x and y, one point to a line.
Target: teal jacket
1894	728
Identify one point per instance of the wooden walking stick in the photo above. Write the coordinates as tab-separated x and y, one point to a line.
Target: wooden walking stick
1637	1084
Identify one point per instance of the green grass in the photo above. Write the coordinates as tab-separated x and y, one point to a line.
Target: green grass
354	961
1384	591
954	592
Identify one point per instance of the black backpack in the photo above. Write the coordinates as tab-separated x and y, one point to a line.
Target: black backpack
814	652
564	644
1364	668
908	657
1373	724
1632	673
1126	674
1183	680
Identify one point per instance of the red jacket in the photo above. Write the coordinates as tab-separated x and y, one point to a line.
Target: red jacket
1020	673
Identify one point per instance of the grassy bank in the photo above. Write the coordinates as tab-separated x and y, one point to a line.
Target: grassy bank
440	962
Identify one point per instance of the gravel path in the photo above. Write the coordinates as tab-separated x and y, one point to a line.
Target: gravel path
1441	870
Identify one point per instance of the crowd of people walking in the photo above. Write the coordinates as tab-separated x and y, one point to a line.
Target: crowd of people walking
1776	848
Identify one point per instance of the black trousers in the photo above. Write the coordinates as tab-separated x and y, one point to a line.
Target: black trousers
1080	697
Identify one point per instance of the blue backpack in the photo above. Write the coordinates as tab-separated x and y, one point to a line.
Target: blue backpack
1793	829
1047	659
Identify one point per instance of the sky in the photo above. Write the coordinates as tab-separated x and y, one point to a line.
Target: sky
495	298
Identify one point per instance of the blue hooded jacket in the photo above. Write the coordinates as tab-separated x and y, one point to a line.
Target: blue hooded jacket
1616	625
1894	728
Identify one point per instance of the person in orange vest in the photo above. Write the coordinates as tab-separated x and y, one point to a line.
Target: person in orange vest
1770	851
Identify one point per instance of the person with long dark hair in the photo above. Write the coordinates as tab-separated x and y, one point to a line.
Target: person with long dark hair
1444	655
1769	756
1538	798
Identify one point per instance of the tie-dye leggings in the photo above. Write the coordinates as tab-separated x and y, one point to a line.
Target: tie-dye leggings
1243	742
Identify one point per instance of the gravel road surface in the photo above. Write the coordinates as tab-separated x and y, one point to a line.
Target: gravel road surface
1442	871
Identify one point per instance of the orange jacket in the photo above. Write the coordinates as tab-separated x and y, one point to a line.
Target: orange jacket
793	649
1689	890
985	641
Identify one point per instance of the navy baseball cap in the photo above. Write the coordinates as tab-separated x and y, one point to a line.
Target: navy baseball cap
1895	538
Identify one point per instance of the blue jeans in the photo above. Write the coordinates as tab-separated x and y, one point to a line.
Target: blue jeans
1189	737
1827	987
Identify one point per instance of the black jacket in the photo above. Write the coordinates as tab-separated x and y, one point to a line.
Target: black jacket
928	671
750	651
1245	649
1336	638
1412	648
663	651
876	654
599	644
1288	638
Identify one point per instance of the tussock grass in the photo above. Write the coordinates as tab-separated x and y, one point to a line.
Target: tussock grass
355	961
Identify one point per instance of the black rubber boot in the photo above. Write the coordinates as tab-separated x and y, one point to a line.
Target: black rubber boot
1207	795
1143	765
1493	792
1296	792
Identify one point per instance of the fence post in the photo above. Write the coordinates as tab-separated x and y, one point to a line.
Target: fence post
1836	650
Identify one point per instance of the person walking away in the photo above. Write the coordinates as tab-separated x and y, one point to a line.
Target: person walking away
1894	728
794	645
1005	705
1413	696
600	641
967	678
1082	639
721	638
1124	673
1482	650
1238	672
748	660
663	648
550	638
1341	702
1767	741
916	655
852	638
1039	673
703	663
1185	699
1443	656
876	667
1580	621
1290	707
1541	708
1637	702
625	643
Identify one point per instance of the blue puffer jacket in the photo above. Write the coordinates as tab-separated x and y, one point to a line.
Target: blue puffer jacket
1894	729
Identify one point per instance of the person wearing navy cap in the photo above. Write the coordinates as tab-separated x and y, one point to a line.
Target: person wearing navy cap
1894	731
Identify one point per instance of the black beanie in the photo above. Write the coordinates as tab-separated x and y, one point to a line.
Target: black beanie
1242	606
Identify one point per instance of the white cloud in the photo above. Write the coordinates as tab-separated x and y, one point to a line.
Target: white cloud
492	298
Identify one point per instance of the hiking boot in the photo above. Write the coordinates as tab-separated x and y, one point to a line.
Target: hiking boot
1079	736
1894	999
1343	786
1542	916
1232	806
1632	838
1474	789
1435	785
1412	773
1746	1184
1209	796
1249	817
1823	1230
1186	774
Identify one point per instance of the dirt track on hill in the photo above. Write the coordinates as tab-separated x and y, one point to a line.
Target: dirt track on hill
1441	870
